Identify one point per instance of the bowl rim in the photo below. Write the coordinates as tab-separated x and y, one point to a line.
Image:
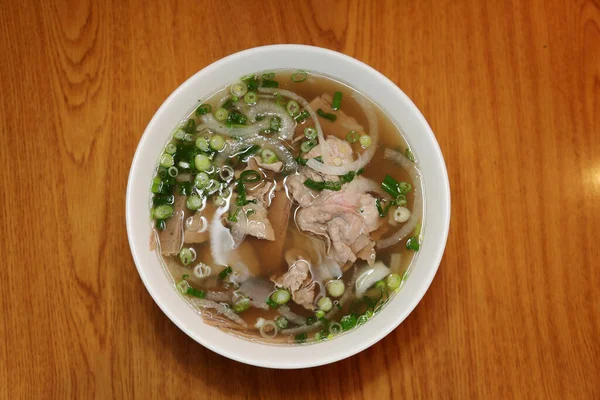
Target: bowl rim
341	352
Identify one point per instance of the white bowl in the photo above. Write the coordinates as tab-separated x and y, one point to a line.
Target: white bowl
368	81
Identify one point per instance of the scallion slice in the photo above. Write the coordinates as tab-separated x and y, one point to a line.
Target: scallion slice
352	137
328	116
268	156
293	108
337	101
299	76
221	114
250	98
310	133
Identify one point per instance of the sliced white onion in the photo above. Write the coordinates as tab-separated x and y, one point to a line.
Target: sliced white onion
313	115
417	209
268	325
369	276
364	158
263	107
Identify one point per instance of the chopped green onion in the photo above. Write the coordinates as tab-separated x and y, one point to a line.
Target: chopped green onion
300	338
299	76
348	322
361	320
186	256
409	155
404	187
268	156
160	199
184	188
369	314
233	217
223	274
308	145
337	101
300	118
352	137
323	114
365	141
236	118
413	243
271	303
252	83
400	200
201	180
268	75
380	285
193	202
335	288
217	142
391	186
325	304
166	160
250	98
173	171
301	160
202	144
202	162
320	314
281	296
275	124
311	184
238	89
196	293
160	224
190	125
163	212
401	214
293	108
242	305
268	83
221	114
171	148
179	134
250	176
360	171
382	211
349	177
183	286
219	201
335	329
310	133
281	322
393	281
203	109
212	187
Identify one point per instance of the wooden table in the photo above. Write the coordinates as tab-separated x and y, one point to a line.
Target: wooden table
512	91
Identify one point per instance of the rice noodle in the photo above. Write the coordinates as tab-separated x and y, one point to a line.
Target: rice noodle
267	324
417	208
291	316
264	107
364	158
277	146
221	309
311	112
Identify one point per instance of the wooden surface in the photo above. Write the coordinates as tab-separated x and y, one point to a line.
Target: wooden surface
512	91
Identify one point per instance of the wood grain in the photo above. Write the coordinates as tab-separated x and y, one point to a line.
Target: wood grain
512	91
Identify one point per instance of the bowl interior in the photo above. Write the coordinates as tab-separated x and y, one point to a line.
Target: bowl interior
397	106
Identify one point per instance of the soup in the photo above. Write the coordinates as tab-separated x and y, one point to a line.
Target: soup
286	208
